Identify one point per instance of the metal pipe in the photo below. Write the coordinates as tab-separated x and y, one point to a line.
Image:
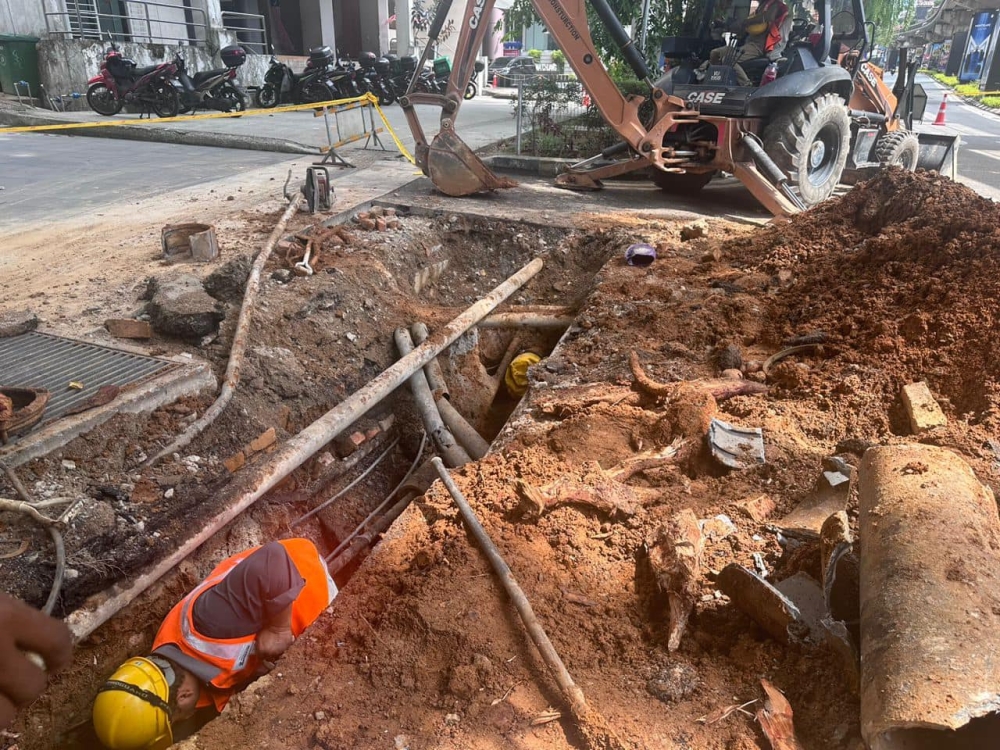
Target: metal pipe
413	467
930	622
466	435
236	351
508	356
435	376
446	443
253	482
361	542
346	489
527	320
594	727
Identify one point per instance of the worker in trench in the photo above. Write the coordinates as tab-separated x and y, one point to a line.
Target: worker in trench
225	633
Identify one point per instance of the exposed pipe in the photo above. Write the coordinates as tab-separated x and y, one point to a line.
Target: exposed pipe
346	489
597	733
466	435
236	351
527	320
360	527
446	444
508	357
435	376
253	482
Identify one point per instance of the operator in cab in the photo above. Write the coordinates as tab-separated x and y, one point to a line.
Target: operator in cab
228	631
766	36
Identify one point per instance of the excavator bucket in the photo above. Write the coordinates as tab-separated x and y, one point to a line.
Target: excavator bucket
456	170
939	153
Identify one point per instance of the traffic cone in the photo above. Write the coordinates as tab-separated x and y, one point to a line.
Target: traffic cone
496	81
586	100
939	120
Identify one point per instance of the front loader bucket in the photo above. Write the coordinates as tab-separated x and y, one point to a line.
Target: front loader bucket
455	170
939	152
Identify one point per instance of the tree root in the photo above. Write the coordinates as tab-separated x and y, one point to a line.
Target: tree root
720	388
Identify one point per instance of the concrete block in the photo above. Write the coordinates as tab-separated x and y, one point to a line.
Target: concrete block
235	462
922	409
16	322
265	440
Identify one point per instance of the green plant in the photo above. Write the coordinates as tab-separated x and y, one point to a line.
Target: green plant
535	54
991	101
559	59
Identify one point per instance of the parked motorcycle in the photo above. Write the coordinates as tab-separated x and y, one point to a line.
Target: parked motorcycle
212	89
472	89
372	81
344	77
281	85
122	82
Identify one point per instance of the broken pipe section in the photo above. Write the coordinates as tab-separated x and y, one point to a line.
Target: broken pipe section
930	602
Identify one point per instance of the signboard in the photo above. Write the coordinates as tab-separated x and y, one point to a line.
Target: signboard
980	33
990	78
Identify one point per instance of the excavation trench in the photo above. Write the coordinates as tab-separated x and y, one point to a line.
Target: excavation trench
314	342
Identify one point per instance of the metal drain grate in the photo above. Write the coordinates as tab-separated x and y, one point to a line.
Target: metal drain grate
40	360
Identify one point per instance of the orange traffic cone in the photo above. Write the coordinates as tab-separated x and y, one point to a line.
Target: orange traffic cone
939	120
496	80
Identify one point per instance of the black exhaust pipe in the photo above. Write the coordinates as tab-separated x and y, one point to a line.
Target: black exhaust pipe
623	40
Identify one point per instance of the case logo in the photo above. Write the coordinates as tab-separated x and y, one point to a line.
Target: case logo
706	97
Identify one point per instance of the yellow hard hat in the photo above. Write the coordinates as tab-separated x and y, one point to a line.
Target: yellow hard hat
132	710
516	377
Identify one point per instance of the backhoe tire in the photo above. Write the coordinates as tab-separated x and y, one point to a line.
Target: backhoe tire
674	182
810	142
898	149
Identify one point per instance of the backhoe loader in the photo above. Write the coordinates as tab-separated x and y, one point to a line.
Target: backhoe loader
827	115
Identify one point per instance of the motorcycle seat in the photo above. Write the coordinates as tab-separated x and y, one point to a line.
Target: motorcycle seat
204	75
145	70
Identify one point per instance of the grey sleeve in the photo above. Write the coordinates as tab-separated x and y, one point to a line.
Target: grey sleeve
256	590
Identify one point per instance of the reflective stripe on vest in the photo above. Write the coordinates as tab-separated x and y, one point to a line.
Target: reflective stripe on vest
236	653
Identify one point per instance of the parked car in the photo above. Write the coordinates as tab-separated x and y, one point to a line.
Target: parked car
509	70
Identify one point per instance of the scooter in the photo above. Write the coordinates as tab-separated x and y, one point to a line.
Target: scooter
122	82
212	89
472	88
372	80
282	85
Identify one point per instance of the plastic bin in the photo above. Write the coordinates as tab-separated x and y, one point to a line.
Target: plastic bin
19	62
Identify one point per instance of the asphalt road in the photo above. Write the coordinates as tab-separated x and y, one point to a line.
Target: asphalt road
979	152
39	170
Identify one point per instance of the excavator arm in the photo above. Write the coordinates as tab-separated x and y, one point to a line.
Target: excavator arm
451	164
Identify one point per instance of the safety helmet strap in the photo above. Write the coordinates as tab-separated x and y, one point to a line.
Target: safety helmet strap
151	698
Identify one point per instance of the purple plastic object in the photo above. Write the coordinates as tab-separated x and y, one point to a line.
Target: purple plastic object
640	254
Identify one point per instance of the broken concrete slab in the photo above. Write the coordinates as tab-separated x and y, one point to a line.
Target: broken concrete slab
16	322
924	412
812	512
182	308
228	282
763	603
735	447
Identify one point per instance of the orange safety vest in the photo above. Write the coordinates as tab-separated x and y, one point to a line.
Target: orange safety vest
774	30
236	658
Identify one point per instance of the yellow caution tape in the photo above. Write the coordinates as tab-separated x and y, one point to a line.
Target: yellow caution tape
516	377
399	143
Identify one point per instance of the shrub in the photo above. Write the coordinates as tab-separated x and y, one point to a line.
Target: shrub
559	59
535	54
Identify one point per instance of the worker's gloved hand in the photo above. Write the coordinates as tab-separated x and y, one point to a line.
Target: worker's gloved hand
272	642
26	630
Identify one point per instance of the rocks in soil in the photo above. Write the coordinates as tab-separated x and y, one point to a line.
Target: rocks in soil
16	322
228	282
694	230
180	307
673	683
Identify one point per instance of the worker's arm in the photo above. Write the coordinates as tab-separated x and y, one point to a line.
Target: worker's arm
24	629
254	599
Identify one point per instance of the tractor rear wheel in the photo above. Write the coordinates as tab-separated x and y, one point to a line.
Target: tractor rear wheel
898	149
674	182
810	141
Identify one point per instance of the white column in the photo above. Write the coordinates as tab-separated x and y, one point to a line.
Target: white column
404	35
317	24
374	16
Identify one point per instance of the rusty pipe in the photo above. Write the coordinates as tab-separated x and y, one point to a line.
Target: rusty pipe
930	601
239	345
254	481
540	321
443	438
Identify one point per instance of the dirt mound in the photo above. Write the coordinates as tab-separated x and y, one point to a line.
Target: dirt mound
903	273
